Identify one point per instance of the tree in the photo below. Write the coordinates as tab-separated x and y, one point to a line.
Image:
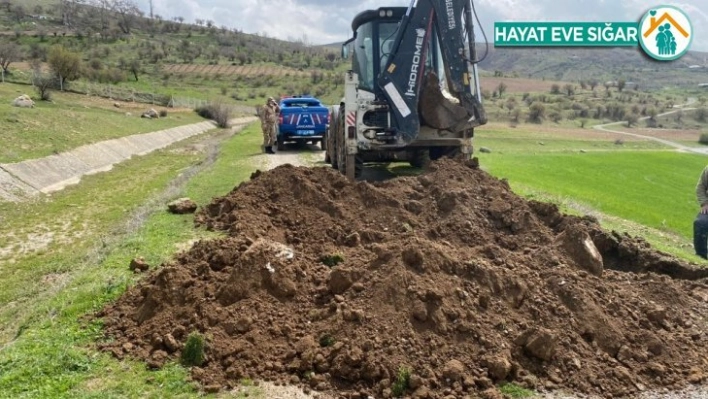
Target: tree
501	89
555	89
537	112
593	84
620	85
18	13
65	64
652	112
128	13
103	10
42	83
135	67
69	10
9	53
632	119
569	89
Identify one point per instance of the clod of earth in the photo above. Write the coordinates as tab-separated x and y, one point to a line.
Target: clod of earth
138	265
484	287
182	206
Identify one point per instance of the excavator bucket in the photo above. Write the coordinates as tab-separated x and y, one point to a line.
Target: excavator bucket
445	112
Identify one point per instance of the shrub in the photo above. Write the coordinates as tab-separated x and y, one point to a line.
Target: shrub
163	113
332	260
701	114
218	112
193	352
537	112
327	340
43	84
703	139
403	381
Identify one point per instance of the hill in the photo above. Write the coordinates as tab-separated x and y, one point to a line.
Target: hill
573	64
603	64
119	46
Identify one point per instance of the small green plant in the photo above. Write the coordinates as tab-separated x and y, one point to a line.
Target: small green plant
327	340
193	353
332	260
513	391
403	381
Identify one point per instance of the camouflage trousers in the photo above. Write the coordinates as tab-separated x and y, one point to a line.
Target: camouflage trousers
269	137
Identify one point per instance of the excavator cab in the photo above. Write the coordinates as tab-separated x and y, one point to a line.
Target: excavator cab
373	43
418	61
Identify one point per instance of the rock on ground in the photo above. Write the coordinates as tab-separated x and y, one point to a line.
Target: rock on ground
23	101
182	206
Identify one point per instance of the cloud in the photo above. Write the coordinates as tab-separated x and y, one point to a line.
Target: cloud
326	21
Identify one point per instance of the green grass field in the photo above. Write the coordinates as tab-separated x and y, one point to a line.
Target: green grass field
46	344
644	184
70	121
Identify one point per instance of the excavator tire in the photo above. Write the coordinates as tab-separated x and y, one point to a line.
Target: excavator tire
331	149
420	158
446	152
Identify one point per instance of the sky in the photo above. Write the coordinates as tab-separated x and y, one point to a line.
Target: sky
329	21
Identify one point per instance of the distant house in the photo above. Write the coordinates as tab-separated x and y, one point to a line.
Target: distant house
694	66
704	85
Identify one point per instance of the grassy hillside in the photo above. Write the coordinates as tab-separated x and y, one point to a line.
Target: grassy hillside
169	58
70	121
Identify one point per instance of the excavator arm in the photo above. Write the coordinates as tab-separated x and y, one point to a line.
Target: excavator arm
412	87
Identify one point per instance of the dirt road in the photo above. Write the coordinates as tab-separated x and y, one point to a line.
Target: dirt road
678	146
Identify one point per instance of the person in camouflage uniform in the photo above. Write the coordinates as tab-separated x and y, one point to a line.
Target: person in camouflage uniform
268	121
700	224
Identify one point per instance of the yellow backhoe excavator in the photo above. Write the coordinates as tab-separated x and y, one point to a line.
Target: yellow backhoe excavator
413	91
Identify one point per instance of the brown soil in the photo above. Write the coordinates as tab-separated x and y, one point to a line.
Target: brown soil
448	274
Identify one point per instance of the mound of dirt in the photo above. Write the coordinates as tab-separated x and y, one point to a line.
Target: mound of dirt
341	287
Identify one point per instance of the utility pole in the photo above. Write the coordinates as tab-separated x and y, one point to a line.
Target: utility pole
151	14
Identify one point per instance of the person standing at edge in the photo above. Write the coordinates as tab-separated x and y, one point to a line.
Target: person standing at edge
270	118
700	225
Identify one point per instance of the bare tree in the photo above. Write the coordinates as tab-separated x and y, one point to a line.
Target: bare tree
102	20
9	53
128	13
18	13
69	10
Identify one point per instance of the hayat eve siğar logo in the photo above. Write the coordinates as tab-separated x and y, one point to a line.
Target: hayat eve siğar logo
665	33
